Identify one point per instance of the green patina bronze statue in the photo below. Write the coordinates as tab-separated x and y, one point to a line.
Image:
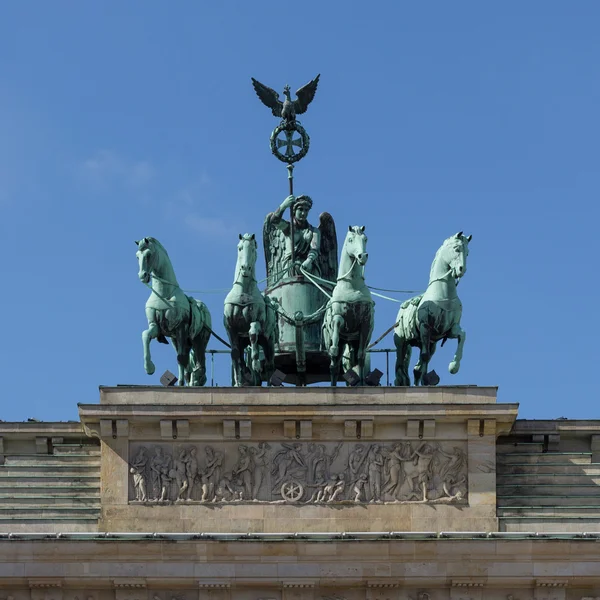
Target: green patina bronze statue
349	316
288	109
249	319
312	246
433	316
171	313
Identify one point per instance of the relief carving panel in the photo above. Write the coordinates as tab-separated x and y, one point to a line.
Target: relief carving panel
298	472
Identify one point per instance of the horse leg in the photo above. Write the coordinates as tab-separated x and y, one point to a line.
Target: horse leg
457	332
148	335
255	331
182	347
337	321
421	367
236	360
199	368
268	346
403	353
366	331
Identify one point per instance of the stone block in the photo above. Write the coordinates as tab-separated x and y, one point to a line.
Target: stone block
553	442
350	429
595	448
106	428
183	428
474	427
366	429
429	429
305	430
289	429
130	589
45	589
245	429
468	588
229	428
166	429
41	445
412	428
550	589
122	428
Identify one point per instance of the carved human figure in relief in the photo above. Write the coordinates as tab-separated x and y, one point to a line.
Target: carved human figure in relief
394	481
178	473
374	471
138	470
356	462
261	464
288	462
339	487
243	471
191	471
323	461
212	474
453	473
425	452
159	474
317	495
359	488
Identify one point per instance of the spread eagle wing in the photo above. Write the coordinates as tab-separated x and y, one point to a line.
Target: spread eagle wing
269	97
305	95
328	257
274	246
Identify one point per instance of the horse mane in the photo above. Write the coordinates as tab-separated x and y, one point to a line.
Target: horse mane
437	255
156	243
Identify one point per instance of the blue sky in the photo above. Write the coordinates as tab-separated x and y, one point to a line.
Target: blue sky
128	119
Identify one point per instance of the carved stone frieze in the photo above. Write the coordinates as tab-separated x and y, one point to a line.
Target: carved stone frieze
298	472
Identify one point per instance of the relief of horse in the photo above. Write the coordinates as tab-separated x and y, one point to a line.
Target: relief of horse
433	316
250	319
349	316
171	313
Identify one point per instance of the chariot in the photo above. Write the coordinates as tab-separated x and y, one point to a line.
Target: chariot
300	299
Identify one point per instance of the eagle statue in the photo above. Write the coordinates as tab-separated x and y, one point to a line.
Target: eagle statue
288	109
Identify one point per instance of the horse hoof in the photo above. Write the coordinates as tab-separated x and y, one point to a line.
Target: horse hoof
150	368
453	367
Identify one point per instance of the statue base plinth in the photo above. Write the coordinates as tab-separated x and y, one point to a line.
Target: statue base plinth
298	459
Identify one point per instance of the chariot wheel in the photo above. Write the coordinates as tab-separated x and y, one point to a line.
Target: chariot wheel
292	491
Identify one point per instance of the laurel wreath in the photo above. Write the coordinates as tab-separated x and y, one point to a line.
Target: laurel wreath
290	127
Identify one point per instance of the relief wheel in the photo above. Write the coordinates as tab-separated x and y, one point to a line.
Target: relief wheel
292	491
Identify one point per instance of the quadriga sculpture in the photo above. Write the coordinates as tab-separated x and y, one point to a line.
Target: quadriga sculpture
249	318
171	313
433	316
349	316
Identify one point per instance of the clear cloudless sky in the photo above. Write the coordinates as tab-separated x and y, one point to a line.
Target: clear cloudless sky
120	120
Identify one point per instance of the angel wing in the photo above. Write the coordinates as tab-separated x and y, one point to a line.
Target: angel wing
274	246
328	257
305	95
269	97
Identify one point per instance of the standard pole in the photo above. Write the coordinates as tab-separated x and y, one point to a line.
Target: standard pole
290	169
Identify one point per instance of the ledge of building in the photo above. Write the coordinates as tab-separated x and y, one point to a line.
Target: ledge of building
250	396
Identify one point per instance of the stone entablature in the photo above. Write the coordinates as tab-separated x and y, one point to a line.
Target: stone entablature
446	569
304	459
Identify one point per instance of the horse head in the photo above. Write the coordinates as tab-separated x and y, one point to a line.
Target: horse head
356	244
247	254
145	256
454	253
